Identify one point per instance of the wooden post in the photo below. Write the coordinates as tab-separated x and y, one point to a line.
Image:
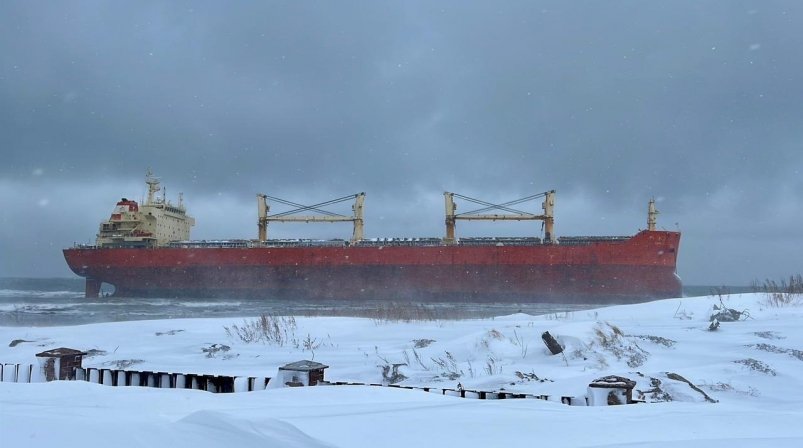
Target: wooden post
553	345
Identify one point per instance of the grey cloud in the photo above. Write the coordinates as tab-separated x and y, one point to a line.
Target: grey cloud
610	102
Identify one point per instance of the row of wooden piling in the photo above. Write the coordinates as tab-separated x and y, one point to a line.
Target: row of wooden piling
19	373
470	393
27	373
168	380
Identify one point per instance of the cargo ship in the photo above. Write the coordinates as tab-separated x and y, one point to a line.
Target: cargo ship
145	250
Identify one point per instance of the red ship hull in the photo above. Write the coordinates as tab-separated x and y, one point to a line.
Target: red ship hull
621	271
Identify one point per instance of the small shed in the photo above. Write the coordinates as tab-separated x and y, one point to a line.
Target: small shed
302	373
610	390
60	363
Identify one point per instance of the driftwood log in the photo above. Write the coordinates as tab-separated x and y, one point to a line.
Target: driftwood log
553	345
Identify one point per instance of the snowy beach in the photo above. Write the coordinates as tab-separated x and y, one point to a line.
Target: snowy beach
746	376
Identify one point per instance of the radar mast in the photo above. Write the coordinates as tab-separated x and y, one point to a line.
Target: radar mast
153	186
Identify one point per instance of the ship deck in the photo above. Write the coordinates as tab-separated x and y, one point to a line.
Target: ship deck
388	242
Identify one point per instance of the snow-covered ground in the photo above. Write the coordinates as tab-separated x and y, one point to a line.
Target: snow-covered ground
751	368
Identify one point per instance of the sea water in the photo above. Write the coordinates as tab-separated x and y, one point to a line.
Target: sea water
61	301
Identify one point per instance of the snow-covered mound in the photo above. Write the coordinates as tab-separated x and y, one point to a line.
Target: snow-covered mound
737	385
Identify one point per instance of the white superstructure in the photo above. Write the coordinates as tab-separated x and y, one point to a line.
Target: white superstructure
154	223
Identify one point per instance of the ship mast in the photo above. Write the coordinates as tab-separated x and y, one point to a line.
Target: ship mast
652	215
262	213
153	186
512	214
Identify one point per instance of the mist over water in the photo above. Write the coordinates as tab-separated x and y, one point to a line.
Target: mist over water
55	302
52	302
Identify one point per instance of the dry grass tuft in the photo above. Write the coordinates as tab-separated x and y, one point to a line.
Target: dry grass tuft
781	293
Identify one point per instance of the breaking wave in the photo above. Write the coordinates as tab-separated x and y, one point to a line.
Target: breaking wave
19	293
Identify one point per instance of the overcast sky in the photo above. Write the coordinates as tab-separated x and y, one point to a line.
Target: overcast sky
698	104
